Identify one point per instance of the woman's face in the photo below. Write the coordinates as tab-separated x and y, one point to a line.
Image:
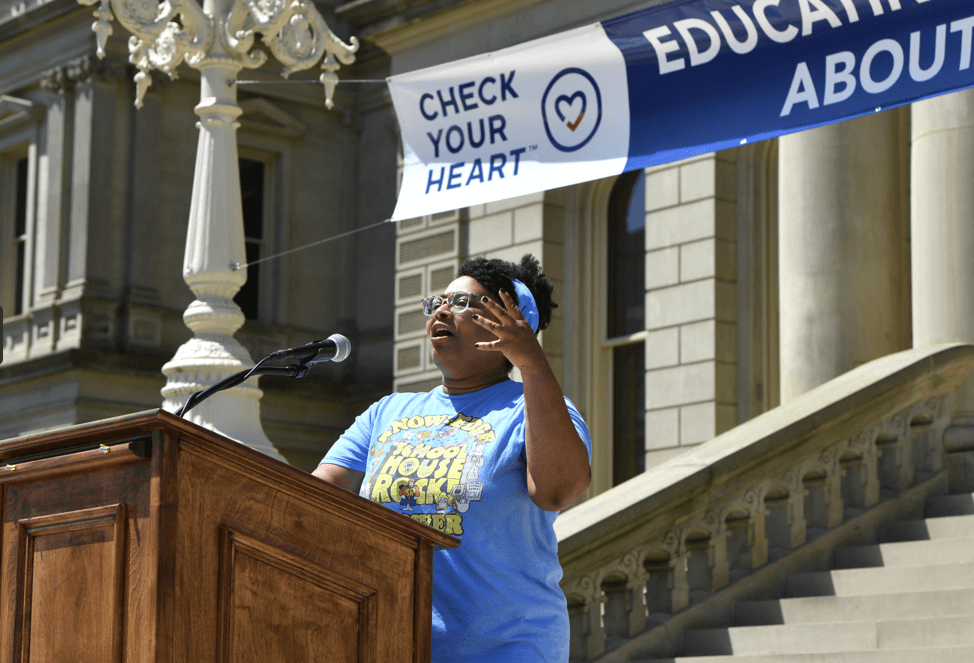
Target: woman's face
453	335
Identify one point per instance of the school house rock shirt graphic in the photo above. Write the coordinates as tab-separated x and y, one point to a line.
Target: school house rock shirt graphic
431	461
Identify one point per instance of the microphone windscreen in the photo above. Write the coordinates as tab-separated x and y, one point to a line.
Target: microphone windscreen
343	347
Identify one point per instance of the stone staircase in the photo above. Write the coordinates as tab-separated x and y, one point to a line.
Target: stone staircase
836	528
907	599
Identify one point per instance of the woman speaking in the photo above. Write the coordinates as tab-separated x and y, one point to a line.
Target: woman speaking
483	458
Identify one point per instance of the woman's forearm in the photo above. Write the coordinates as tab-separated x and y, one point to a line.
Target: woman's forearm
558	469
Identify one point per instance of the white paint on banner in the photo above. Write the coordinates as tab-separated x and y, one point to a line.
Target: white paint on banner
840	81
542	115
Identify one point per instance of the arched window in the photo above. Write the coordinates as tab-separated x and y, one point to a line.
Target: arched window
625	262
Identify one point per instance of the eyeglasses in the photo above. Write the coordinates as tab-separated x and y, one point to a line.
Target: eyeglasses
458	302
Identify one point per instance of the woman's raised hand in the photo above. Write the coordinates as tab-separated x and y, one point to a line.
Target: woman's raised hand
515	338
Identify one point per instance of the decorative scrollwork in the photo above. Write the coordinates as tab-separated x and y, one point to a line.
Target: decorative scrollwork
102	27
296	35
631	567
829	460
754	503
158	41
863	443
587	588
791	480
713	520
166	35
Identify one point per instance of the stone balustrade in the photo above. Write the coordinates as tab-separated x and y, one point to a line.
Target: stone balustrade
637	556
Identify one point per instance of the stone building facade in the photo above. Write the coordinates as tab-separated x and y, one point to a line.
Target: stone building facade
693	296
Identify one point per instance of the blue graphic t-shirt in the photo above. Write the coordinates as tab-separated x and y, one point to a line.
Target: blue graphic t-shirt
457	464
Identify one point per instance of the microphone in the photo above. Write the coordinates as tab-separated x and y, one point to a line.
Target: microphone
334	348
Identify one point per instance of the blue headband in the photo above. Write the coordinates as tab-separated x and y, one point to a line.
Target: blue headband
529	308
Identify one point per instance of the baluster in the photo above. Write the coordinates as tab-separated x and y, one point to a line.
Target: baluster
719	564
679	585
636	586
796	517
758	539
587	639
615	614
833	492
637	603
870	474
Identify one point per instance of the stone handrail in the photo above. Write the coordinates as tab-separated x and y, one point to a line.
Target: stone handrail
642	552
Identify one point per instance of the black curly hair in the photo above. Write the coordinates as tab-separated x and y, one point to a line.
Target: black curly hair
496	275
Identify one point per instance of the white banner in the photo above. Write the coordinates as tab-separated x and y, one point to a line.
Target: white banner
543	115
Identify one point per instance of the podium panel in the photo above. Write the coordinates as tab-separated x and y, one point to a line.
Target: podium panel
285	596
72	577
147	538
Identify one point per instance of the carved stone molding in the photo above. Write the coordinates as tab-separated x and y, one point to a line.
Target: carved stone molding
15	111
64	78
261	116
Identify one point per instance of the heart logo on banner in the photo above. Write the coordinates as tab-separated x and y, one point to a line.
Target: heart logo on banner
571	109
570	100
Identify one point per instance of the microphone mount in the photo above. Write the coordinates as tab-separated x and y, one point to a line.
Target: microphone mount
307	357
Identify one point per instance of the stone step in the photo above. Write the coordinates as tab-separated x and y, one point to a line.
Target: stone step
949	505
905	553
926	655
880	580
947	527
855	608
954	631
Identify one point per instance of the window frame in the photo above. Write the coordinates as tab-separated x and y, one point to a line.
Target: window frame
587	243
19	125
609	344
269	301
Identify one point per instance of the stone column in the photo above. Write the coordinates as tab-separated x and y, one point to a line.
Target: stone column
942	240
838	250
215	242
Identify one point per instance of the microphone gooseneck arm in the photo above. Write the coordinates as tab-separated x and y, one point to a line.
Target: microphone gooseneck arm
291	371
339	346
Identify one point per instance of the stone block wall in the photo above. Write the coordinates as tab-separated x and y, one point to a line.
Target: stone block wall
427	257
691	311
507	229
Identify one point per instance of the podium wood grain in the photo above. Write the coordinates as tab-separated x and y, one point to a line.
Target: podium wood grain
147	538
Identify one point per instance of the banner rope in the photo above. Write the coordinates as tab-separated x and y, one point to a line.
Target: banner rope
236	266
313	80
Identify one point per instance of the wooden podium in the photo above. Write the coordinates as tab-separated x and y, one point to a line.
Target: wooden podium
148	538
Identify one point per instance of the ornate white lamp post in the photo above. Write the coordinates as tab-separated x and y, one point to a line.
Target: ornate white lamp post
217	39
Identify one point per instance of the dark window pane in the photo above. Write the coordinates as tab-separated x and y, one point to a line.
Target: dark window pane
636	214
626	255
628	416
248	296
19	279
20	218
252	197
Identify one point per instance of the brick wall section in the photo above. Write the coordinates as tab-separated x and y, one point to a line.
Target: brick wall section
691	346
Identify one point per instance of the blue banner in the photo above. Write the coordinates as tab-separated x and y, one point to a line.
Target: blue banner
706	75
662	84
